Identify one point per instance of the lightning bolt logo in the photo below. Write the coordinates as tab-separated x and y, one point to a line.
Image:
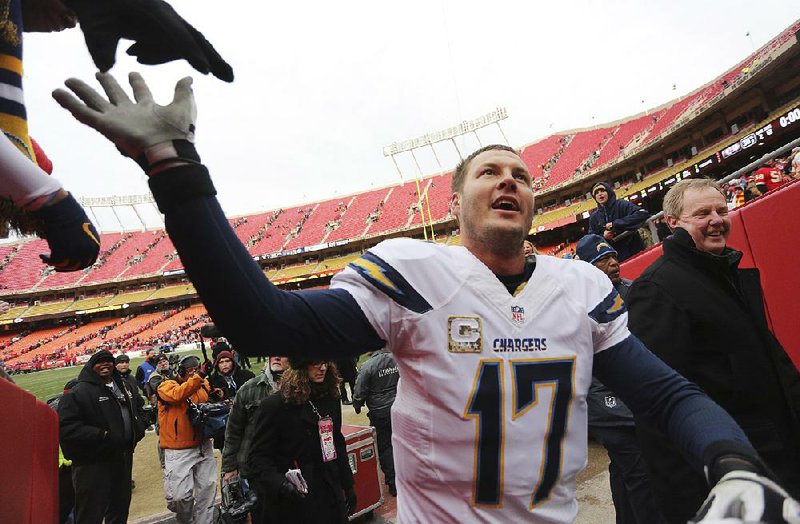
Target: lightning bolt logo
617	306
376	273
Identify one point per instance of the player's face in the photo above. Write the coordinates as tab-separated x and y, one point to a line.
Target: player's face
705	217
609	265
495	206
316	372
123	367
278	363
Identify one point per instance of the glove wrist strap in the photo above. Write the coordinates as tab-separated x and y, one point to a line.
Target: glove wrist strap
723	457
172	151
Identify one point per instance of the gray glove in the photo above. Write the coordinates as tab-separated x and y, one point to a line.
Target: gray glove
143	130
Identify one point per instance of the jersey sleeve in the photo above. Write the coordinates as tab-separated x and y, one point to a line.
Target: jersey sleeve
607	312
380	290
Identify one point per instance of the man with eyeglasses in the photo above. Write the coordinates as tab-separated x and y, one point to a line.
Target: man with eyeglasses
704	316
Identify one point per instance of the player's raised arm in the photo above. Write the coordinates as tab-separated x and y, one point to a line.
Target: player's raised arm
240	299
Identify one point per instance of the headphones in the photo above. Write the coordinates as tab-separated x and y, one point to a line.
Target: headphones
185	363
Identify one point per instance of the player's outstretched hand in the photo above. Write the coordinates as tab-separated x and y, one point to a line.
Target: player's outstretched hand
132	126
159	33
743	496
73	240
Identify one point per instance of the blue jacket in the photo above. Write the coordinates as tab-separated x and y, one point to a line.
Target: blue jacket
624	216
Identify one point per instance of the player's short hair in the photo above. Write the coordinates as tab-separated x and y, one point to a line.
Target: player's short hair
673	200
461	169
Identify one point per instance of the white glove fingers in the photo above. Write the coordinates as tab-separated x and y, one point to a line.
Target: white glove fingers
82	113
183	91
87	93
141	93
116	95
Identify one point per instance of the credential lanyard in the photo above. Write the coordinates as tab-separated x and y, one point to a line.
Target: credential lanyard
325	428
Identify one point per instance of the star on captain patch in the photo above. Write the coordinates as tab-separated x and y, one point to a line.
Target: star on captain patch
518	314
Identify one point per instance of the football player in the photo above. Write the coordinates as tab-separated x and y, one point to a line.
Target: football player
496	350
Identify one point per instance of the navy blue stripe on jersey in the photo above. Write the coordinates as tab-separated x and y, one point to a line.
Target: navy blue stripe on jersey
12	107
380	274
10	78
679	408
609	309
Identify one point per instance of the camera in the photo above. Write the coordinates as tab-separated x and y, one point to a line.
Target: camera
237	500
150	415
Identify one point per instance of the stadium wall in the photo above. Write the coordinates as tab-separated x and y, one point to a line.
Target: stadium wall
29	432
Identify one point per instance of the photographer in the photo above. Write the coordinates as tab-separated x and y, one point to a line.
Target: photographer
163	372
146	369
190	469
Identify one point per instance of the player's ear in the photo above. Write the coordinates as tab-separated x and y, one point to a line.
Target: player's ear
455	205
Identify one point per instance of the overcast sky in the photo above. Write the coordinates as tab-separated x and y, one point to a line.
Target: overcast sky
321	87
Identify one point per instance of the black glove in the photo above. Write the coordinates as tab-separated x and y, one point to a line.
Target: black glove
357	408
159	33
289	492
350	500
73	240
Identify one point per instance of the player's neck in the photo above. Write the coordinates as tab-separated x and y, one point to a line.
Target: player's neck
499	263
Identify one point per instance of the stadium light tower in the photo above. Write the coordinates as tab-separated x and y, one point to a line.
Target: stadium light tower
113	202
428	140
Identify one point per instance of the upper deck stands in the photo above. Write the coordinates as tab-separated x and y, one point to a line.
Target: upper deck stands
313	229
576	153
354	220
397	208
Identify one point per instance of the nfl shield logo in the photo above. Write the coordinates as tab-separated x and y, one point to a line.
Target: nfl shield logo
518	314
611	401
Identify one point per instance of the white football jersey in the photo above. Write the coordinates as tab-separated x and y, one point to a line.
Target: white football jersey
489	424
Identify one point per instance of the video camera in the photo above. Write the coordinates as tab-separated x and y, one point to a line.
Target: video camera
150	415
237	500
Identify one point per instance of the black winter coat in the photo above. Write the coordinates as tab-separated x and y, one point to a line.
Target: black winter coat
705	318
624	216
287	434
240	376
90	409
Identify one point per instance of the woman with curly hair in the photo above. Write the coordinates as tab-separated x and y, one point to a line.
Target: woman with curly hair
300	427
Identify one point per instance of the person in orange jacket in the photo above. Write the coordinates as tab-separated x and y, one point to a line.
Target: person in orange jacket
190	469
